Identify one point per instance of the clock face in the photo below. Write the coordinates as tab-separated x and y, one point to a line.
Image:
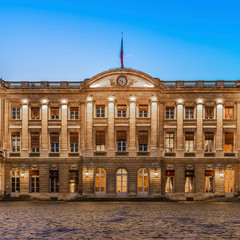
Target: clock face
122	81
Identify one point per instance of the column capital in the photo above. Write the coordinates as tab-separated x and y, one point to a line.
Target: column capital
180	101
153	99
24	102
220	101
89	99
200	101
132	99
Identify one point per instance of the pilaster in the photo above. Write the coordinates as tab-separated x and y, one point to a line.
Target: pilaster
24	137
180	150
219	132
132	127
44	147
110	140
63	148
154	127
199	137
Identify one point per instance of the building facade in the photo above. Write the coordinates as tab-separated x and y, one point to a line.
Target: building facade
121	133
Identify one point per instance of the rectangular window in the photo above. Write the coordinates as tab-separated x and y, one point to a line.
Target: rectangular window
189	111
122	111
209	181
143	111
35	113
209	112
209	137
228	112
169	142
170	113
54	181
54	113
34	181
169	181
73	181
15	142
54	140
74	113
189	141
100	111
121	141
15	181
228	147
143	141
35	142
15	113
189	181
74	142
100	141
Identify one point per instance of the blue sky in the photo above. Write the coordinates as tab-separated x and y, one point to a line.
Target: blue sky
74	40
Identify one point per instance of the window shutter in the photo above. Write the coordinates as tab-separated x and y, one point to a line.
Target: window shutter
209	136
54	111
74	137
121	135
100	138
169	173
34	172
35	112
54	137
143	107
189	136
34	140
228	138
143	137
74	109
122	107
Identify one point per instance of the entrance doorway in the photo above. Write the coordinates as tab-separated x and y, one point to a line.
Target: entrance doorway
229	183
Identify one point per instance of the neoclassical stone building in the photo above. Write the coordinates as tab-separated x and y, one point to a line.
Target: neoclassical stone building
120	133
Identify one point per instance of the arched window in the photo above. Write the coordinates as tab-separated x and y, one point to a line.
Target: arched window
143	182
100	182
121	182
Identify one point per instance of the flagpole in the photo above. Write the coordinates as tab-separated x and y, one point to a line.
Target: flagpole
121	53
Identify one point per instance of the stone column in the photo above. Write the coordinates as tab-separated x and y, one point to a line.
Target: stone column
89	127
24	137
219	134
132	127
110	134
180	139
44	147
154	127
199	136
64	136
237	141
5	129
161	129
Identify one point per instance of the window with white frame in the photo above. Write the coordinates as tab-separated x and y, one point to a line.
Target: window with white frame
189	141
189	112
100	111
35	144
169	142
74	141
122	111
34	181
15	181
100	141
74	113
121	141
15	142
169	112
143	111
143	141
209	137
54	181
15	113
54	140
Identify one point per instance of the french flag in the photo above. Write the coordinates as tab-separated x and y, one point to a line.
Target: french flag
121	52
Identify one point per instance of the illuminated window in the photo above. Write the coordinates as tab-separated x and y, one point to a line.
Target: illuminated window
189	111
54	140
143	181
169	142
35	142
100	111
228	181
15	113
121	182
209	112
35	113
73	181
100	141
228	147
100	181
54	181
74	113
169	181
169	113
15	142
74	141
209	181
209	137
121	141
34	181
228	112
15	181
189	181
122	111
143	111
189	142
54	113
143	141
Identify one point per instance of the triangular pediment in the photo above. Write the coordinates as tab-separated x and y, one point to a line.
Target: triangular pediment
122	78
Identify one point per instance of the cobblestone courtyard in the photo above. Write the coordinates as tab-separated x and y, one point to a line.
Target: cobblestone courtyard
120	220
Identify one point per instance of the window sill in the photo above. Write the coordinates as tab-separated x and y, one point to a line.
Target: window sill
100	153
34	154
170	154
121	153
53	154
209	154
229	154
14	154
189	154
73	154
143	153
